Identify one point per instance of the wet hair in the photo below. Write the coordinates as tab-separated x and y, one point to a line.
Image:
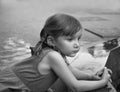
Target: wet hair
55	26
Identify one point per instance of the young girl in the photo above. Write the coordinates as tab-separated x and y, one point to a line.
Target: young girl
59	38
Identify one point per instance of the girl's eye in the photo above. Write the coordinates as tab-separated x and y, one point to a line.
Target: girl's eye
79	38
70	39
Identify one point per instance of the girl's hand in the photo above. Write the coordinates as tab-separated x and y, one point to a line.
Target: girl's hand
105	76
109	71
97	75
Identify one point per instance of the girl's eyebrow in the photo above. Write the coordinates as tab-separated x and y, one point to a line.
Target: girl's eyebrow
69	37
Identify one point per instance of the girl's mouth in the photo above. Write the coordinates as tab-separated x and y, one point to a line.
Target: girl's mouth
75	51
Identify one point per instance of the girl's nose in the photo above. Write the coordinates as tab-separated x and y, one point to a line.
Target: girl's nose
76	45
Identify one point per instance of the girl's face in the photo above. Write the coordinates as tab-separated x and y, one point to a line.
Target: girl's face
68	45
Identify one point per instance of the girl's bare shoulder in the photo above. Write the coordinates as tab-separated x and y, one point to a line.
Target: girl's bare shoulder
54	55
55	58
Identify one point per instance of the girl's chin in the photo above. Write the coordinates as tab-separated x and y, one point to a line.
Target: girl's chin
72	55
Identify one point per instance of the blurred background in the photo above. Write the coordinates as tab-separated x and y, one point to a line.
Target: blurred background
22	20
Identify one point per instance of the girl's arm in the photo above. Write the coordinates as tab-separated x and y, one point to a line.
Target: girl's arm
79	74
59	66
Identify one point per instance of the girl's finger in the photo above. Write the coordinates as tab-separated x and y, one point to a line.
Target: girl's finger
110	80
109	71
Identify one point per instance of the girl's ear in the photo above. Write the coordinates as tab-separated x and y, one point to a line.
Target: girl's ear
50	41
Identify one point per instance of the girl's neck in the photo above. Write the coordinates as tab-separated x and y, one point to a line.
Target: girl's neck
58	50
45	45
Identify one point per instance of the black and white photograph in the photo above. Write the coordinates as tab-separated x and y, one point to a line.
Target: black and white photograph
59	45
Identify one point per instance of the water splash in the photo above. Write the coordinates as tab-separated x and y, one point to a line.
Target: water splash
15	50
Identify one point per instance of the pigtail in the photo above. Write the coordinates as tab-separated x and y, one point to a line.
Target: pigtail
37	49
40	45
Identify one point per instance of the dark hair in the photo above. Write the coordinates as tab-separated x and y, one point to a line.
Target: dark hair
55	26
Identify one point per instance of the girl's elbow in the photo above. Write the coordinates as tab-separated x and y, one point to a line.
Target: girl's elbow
78	89
75	88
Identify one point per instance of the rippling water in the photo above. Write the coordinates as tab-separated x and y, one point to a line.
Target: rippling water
14	50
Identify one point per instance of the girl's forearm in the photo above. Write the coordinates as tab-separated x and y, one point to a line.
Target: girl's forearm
89	85
80	74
